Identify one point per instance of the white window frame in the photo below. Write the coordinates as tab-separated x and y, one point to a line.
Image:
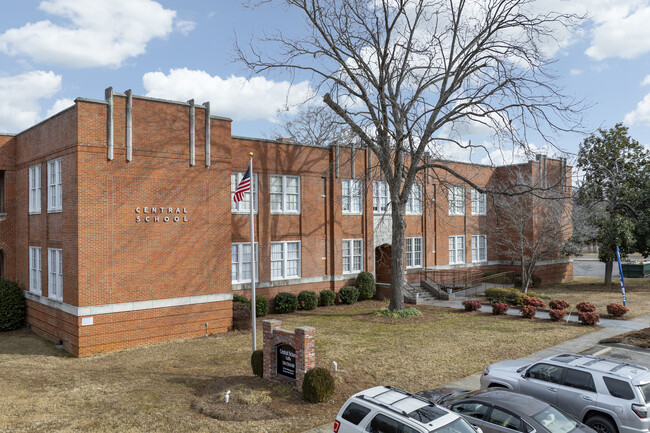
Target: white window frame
35	189
284	195
456	250
242	207
54	186
380	196
414	203
479	248
284	260
353	252
413	252
55	273
35	266
478	202
352	200
239	263
456	200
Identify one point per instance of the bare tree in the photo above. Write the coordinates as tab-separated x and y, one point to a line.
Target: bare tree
314	125
528	228
409	76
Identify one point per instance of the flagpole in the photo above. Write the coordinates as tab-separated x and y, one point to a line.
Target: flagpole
253	267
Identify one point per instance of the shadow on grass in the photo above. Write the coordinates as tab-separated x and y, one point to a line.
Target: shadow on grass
24	342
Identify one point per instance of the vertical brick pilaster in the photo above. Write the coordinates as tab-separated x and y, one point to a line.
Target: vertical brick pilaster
305	354
269	327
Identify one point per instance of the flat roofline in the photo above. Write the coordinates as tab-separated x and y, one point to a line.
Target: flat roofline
7	134
275	141
48	118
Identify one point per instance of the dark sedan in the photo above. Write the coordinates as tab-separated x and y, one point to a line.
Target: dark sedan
504	411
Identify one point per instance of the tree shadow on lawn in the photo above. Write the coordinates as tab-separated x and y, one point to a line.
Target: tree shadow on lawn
25	342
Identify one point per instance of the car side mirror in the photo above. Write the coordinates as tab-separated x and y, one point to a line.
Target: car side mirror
478	429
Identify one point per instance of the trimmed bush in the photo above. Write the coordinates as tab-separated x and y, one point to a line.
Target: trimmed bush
327	298
318	385
499	308
535	302
241	316
366	285
589	317
558	304
349	294
616	310
528	311
532	294
307	300
472	305
586	307
556	314
12	305
261	306
241	299
257	363
509	296
285	303
401	314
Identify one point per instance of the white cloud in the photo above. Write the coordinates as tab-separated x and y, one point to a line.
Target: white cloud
19	105
185	27
575	72
641	114
621	29
99	32
646	80
59	105
236	97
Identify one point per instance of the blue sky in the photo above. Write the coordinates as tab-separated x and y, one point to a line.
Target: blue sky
54	51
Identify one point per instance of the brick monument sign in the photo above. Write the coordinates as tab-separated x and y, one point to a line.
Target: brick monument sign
288	355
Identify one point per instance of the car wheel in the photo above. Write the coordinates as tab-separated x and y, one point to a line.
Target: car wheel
601	424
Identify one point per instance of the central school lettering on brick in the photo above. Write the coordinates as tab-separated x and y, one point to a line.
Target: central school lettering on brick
160	214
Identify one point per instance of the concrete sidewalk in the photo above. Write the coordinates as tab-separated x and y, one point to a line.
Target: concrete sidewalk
577	345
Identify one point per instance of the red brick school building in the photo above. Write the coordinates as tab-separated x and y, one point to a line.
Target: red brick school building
117	219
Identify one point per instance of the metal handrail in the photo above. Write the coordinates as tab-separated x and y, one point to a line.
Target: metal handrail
457	280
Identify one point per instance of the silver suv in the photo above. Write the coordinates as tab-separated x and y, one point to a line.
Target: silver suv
609	396
385	409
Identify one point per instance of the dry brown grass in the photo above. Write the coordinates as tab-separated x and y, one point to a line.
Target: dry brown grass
179	386
637	291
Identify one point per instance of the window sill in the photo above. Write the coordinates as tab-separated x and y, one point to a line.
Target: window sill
240	212
284	213
55	211
285	279
352	213
413	214
456	214
34	212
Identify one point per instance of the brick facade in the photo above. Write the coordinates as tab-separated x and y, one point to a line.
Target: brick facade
302	340
145	228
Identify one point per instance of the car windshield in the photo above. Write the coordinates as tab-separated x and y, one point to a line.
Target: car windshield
555	421
458	426
645	390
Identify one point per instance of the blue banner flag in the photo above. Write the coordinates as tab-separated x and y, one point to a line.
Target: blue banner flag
620	271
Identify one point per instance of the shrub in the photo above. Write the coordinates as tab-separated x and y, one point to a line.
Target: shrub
616	310
528	311
285	303
261	306
558	304
241	316
327	297
408	312
535	302
556	314
509	296
349	294
307	300
532	294
472	305
12	305
588	317
257	363
366	285
499	308
318	385
241	299
586	307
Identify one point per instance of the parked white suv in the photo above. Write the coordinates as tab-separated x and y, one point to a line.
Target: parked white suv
385	409
609	396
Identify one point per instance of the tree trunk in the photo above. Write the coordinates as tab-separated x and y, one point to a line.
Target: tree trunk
397	258
524	277
608	272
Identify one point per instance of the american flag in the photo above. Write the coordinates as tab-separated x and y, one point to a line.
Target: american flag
243	186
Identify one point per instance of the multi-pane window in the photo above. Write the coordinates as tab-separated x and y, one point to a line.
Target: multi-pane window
55	273
478	202
456	249
352	255
351	195
285	194
285	260
456	200
2	191
243	206
35	189
35	270
413	252
241	262
54	185
479	248
414	203
380	196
